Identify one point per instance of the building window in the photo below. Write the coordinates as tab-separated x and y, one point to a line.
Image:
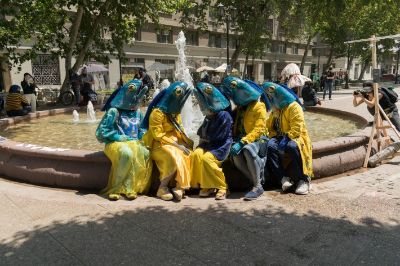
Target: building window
295	49
270	26
169	73
138	35
46	70
192	38
281	48
215	40
164	36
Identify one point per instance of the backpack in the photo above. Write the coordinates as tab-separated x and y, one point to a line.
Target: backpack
393	97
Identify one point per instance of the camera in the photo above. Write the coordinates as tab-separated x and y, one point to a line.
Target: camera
362	92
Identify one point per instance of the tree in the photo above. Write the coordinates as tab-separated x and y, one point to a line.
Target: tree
74	28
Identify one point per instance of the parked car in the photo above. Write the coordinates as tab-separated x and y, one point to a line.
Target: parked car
388	77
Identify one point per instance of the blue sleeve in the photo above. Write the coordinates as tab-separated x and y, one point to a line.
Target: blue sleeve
107	131
224	126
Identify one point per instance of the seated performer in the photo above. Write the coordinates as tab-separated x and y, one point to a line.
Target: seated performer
169	146
249	131
215	142
289	136
120	131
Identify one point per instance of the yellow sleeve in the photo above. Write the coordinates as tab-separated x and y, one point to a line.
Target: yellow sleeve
156	127
296	120
259	129
270	125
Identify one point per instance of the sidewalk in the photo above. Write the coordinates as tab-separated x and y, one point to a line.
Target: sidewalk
347	220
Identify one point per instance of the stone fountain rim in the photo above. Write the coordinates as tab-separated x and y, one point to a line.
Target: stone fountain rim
358	138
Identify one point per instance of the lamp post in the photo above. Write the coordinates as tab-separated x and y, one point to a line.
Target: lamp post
224	12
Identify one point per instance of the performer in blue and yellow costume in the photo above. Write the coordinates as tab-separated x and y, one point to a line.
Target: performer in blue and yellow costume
169	146
215	142
289	136
249	131
120	131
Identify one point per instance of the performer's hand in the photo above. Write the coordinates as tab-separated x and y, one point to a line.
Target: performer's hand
283	143
236	148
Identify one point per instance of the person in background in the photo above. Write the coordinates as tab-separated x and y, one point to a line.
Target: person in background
328	83
147	81
75	82
388	105
29	87
87	92
309	95
16	103
205	77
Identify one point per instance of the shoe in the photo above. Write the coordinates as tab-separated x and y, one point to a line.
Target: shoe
131	196
286	183
254	193
206	192
164	194
178	193
221	194
113	197
330	98
303	188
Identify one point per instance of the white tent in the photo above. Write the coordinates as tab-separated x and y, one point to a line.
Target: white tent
204	68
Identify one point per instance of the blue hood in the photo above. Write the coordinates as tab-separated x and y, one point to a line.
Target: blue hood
241	92
209	97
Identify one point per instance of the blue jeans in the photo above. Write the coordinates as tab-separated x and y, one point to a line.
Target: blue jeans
328	86
294	170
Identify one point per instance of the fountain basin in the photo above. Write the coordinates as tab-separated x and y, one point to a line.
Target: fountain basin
82	169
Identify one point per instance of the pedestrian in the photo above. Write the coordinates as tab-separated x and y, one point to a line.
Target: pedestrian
328	83
309	95
75	82
387	100
16	103
29	87
87	92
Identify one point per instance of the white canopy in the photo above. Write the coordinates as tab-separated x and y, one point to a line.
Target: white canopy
204	68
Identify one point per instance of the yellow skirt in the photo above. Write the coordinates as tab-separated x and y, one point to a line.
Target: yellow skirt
169	160
130	168
206	171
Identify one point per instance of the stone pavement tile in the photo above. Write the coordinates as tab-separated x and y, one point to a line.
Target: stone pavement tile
35	248
116	239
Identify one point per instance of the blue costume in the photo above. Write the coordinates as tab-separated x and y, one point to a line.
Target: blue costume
120	130
249	131
215	141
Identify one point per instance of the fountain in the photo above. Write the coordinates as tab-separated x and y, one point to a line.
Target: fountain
75	116
191	114
91	114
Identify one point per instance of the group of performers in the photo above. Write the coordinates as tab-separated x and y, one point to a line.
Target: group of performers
264	136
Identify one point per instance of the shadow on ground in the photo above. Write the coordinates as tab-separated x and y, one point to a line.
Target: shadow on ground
217	235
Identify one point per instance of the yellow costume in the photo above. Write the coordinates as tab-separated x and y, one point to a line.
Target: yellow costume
128	159
291	120
206	171
254	120
168	158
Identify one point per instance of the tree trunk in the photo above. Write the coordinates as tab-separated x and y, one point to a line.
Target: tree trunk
253	74
73	35
329	62
303	60
235	56
245	67
349	63
366	64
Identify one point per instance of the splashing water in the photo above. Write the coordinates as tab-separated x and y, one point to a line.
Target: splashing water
163	85
75	116
91	114
191	114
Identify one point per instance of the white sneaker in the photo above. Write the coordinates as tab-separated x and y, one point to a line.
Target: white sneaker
303	188
286	183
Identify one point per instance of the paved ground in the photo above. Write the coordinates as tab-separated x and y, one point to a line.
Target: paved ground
353	219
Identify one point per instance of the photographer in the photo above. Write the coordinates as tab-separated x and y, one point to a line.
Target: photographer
366	95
